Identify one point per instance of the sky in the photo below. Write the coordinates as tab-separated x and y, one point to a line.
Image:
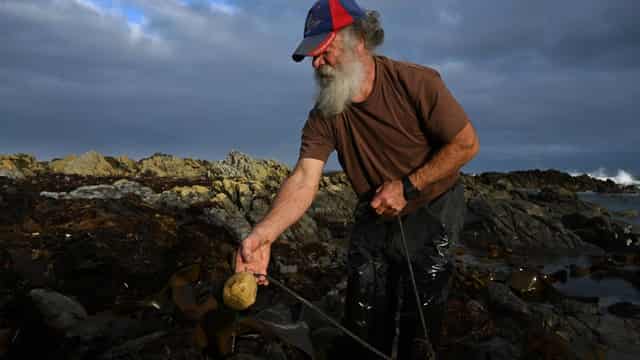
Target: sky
547	84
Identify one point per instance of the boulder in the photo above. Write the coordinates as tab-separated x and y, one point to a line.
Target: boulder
88	164
237	164
58	311
163	165
516	224
14	174
18	166
502	297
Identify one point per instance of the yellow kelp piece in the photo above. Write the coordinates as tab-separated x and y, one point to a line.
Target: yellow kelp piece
240	291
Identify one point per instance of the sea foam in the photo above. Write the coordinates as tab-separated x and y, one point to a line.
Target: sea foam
622	177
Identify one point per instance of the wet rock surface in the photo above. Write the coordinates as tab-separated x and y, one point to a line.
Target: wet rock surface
105	257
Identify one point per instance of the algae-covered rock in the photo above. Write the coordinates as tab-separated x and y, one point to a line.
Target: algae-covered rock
11	173
190	194
88	164
237	164
18	166
163	165
226	214
240	291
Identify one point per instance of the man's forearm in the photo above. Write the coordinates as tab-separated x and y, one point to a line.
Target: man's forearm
449	160
293	199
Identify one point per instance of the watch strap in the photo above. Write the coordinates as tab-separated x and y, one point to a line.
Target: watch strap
409	190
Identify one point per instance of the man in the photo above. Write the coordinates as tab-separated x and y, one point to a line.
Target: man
401	138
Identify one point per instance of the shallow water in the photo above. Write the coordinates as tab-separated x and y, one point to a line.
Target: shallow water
610	290
615	203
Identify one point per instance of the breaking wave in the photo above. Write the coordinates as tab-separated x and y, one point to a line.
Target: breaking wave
622	177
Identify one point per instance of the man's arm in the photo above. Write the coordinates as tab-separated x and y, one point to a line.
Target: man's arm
294	198
449	159
389	199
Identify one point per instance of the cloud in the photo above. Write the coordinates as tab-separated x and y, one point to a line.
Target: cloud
545	83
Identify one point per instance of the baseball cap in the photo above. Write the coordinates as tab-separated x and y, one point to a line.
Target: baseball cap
324	19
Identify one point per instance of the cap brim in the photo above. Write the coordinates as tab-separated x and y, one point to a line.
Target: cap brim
313	45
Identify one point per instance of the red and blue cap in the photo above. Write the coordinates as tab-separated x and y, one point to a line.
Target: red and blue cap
324	19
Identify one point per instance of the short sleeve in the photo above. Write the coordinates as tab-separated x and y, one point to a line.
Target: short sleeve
442	114
318	140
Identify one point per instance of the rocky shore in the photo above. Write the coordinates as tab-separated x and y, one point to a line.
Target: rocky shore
110	258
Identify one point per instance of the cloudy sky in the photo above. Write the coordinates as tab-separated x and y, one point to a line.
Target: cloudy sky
548	84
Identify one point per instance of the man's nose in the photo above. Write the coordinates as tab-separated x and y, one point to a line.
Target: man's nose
318	61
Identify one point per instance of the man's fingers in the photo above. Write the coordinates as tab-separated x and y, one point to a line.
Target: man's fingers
262	280
246	254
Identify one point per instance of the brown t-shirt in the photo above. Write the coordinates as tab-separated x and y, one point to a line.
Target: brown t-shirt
409	114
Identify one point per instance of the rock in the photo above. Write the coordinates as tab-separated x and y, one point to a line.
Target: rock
191	191
288	269
226	215
556	194
237	164
5	341
573	307
503	298
107	326
538	179
598	230
305	230
629	352
515	225
131	187
118	190
58	311
95	192
629	213
625	310
613	331
18	166
88	164
163	165
14	174
496	348
334	204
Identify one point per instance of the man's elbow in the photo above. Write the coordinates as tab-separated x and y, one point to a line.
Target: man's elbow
475	148
468	143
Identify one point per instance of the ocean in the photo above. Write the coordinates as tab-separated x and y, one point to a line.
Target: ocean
610	290
616	203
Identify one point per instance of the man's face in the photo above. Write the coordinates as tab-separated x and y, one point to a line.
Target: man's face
333	55
338	74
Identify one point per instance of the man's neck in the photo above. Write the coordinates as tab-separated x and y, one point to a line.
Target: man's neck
369	77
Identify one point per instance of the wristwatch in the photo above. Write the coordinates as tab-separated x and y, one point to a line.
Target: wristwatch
410	192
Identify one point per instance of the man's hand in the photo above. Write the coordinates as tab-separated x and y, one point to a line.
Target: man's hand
389	199
253	256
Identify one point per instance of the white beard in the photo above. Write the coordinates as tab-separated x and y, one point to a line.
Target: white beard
337	86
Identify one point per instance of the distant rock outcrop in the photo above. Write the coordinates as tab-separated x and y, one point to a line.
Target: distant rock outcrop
88	164
163	165
18	166
538	179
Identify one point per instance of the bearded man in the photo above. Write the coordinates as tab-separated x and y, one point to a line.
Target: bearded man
401	138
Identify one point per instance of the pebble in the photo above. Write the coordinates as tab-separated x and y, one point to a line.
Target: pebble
288	269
